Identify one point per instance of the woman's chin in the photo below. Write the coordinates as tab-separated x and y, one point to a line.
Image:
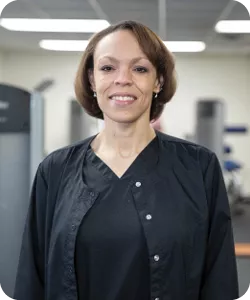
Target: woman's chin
123	118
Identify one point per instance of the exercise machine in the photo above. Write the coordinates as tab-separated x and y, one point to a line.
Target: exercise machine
21	151
81	125
232	169
210	131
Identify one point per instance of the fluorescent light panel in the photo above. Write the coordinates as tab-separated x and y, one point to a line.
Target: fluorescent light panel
54	25
77	45
193	46
233	26
64	45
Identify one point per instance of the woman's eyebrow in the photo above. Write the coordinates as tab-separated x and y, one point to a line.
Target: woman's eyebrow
134	60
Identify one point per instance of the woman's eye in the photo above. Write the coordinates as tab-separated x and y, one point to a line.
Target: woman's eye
141	69
107	68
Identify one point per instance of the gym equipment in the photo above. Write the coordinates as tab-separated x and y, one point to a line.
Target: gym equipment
43	85
232	168
81	124
210	125
235	129
234	185
21	151
209	132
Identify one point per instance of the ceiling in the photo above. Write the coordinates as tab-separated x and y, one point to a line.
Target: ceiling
185	19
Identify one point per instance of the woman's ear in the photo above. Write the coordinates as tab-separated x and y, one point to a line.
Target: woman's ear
91	79
159	84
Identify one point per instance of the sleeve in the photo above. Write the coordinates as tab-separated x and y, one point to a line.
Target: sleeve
30	273
220	278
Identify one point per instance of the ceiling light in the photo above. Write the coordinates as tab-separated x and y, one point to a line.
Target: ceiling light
182	46
64	45
233	26
79	45
3	4
54	25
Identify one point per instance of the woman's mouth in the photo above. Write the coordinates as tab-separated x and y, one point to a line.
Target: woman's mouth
123	100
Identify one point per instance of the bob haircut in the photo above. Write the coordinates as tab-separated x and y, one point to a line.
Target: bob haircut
153	48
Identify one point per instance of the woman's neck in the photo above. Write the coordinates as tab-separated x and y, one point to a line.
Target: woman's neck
123	140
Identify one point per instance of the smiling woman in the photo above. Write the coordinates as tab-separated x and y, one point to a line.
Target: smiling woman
130	213
126	51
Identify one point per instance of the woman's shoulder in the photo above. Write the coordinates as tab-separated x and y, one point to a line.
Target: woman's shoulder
187	152
59	158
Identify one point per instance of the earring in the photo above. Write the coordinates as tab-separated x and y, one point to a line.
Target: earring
156	95
94	94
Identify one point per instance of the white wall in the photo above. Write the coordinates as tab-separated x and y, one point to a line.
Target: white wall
224	77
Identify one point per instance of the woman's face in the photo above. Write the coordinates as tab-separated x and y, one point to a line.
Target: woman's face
123	78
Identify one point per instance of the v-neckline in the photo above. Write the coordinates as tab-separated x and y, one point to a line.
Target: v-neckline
136	168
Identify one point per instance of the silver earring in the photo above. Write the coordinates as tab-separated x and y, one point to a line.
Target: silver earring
156	95
94	94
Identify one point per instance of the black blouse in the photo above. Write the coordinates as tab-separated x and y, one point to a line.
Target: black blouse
177	190
111	252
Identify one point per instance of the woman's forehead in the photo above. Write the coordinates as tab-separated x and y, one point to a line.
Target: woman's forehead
121	41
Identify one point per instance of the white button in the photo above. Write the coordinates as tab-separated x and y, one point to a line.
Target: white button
148	217
138	184
156	257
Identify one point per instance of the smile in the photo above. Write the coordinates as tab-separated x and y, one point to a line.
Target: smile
123	98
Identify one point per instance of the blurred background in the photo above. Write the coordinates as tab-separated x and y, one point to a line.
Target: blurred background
41	43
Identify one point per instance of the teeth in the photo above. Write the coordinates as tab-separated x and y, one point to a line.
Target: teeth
121	98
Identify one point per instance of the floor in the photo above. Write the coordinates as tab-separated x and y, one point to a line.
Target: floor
241	228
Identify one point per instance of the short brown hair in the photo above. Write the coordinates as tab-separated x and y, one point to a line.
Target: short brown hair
154	49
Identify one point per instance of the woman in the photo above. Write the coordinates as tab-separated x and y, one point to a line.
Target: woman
129	213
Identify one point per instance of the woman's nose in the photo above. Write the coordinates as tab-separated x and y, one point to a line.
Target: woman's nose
124	77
